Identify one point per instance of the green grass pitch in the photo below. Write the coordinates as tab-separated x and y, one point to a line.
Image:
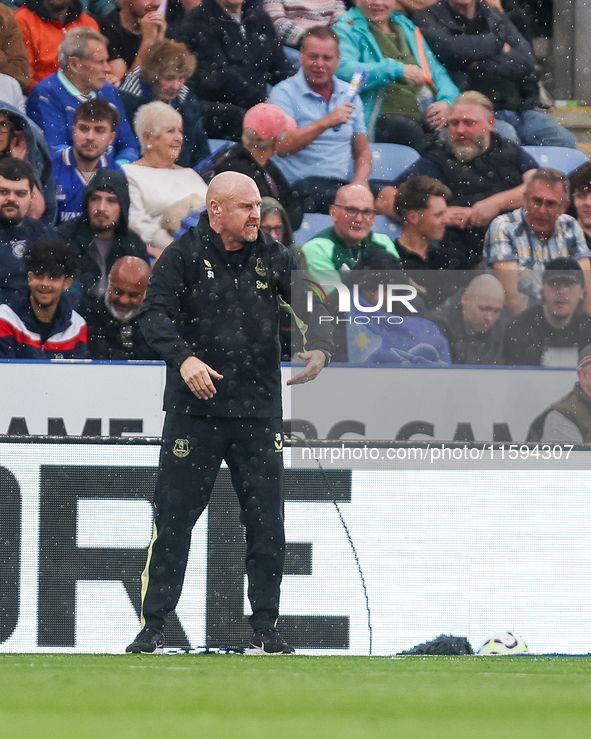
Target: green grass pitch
227	696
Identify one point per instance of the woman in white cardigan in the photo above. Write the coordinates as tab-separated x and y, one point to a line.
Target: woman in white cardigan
155	181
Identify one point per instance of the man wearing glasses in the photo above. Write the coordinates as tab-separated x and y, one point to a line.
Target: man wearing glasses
339	248
519	245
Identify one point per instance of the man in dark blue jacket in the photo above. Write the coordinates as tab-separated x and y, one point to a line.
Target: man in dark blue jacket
238	55
212	312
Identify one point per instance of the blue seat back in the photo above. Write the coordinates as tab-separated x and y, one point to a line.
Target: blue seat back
312	224
557	157
390	160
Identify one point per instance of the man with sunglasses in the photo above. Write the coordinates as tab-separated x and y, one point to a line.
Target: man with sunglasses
519	245
338	249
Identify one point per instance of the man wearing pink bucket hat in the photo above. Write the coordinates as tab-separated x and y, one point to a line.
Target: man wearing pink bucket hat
263	128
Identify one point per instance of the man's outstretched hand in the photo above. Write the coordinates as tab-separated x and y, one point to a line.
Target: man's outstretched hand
315	361
198	377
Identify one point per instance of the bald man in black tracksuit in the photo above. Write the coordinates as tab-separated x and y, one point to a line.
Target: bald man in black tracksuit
211	311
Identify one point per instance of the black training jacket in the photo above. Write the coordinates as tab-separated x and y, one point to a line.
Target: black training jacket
199	303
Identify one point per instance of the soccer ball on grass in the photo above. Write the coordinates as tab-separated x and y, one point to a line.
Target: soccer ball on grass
502	642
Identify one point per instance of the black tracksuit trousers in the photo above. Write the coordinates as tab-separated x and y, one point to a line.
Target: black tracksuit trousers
193	448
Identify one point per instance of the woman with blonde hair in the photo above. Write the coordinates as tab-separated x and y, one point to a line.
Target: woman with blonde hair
162	76
158	187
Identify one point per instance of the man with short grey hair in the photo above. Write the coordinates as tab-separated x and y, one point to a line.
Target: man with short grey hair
518	245
43	24
82	76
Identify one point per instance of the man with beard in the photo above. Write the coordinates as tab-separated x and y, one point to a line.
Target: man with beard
484	51
93	133
113	331
212	312
485	173
101	232
552	333
17	229
43	23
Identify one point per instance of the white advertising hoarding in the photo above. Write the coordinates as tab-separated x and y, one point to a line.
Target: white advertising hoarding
386	402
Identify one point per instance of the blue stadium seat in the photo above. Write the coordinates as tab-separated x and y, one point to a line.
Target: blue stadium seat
312	224
390	160
383	225
557	157
216	143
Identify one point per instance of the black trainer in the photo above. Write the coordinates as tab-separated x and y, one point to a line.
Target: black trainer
268	641
148	641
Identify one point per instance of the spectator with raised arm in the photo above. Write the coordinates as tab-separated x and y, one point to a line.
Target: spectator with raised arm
132	30
483	51
408	93
82	75
329	147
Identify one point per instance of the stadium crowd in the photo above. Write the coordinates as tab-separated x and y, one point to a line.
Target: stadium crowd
114	116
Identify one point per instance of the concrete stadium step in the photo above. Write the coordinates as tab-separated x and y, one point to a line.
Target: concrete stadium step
578	120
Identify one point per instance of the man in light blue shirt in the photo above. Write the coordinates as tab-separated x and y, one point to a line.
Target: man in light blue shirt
329	148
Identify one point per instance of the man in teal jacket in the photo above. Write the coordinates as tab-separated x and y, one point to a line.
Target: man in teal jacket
408	93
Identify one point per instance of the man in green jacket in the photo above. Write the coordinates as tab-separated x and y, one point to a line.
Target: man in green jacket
408	93
338	249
